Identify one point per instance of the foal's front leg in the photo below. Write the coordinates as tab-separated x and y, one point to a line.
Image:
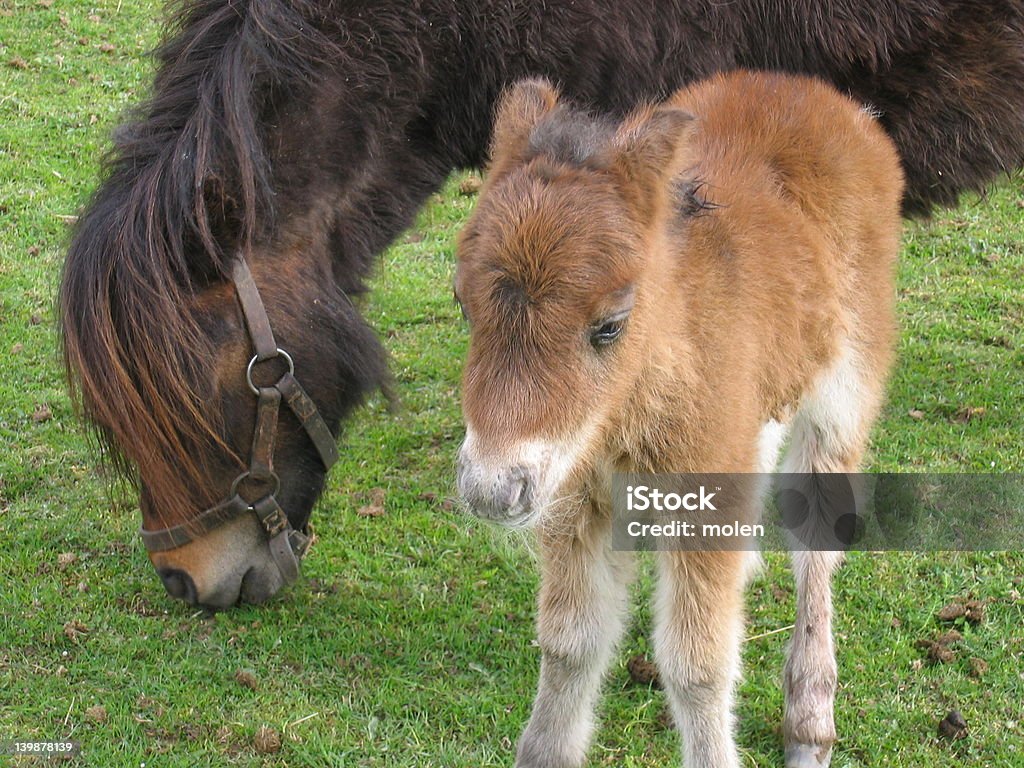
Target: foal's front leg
583	595
697	636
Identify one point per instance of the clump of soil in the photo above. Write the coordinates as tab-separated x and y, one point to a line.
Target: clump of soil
247	678
938	650
75	629
643	672
972	611
65	560
267	740
953	726
376	506
97	714
470	186
978	667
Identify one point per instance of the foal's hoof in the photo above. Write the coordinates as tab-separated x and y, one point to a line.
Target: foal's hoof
808	755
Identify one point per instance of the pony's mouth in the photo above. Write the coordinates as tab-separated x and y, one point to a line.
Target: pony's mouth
523	520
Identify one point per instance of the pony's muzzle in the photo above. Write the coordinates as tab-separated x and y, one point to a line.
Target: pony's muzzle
230	565
498	494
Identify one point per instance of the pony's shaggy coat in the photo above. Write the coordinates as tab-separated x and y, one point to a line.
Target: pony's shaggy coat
770	302
308	132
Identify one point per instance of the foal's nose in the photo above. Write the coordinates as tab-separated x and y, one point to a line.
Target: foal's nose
502	495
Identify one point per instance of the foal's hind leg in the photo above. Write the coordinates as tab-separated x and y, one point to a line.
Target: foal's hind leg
583	598
829	435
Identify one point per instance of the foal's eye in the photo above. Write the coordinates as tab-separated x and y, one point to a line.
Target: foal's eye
607	332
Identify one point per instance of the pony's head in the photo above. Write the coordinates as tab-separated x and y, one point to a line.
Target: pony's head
190	401
187	409
560	270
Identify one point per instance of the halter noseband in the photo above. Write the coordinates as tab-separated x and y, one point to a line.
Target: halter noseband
287	544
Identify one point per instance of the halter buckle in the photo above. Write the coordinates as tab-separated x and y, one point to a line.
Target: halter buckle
272	517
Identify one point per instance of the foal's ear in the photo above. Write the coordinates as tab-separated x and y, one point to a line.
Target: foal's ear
521	108
650	148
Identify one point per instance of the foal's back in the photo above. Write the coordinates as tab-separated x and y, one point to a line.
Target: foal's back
796	257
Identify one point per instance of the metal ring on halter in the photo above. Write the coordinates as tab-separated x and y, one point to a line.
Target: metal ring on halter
245	476
248	368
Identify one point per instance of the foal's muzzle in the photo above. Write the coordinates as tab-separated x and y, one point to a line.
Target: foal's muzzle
502	495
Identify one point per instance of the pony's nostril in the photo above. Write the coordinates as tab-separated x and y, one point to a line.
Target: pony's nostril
178	584
259	585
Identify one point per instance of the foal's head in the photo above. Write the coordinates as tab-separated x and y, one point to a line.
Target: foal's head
558	275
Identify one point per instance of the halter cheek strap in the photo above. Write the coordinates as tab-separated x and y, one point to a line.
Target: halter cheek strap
260	482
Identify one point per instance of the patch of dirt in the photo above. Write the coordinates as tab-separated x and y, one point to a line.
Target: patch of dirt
470	186
147	706
953	726
65	560
266	741
978	667
320	587
938	650
97	713
665	719
780	593
968	413
138	604
972	611
75	629
643	672
376	506
247	678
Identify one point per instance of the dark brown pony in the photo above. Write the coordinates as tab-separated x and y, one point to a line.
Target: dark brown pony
305	134
675	293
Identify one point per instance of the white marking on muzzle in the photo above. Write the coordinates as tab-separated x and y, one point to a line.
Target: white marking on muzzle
514	483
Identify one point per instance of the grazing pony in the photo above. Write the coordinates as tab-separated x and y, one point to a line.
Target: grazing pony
301	136
672	294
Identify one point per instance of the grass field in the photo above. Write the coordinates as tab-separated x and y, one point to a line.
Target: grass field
408	642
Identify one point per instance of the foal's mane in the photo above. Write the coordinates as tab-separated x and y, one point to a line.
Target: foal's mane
187	184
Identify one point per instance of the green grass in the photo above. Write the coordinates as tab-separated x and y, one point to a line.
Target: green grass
408	642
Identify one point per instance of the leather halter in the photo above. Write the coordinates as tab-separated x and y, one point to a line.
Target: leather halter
261	483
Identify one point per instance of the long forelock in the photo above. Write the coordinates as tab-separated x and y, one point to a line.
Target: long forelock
187	182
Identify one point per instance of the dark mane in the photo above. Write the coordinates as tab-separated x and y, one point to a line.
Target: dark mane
187	182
